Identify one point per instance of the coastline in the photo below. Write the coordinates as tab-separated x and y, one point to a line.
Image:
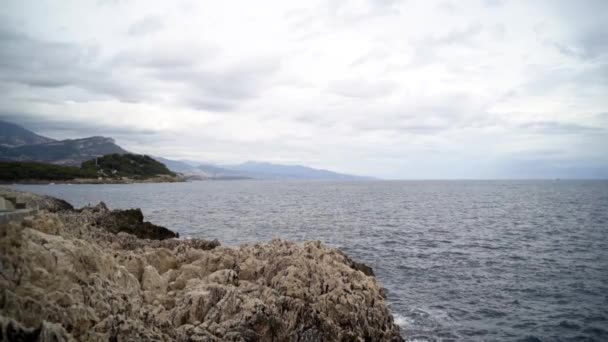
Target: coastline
122	180
82	274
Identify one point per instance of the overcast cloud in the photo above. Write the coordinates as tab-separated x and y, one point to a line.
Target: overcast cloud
387	88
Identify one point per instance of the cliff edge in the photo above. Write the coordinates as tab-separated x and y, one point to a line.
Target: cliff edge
68	275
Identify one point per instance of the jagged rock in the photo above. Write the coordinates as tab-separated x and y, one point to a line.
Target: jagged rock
12	331
131	221
64	276
35	201
359	266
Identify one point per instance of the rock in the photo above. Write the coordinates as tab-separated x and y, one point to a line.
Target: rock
69	276
161	258
47	332
359	266
152	281
131	221
35	201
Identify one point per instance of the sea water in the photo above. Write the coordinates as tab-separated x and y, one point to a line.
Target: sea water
462	260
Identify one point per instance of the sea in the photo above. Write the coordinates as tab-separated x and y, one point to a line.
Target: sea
462	260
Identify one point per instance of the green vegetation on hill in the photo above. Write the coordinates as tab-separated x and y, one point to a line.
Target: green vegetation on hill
15	171
112	166
126	165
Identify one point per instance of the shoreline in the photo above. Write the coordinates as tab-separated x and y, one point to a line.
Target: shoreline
70	264
158	179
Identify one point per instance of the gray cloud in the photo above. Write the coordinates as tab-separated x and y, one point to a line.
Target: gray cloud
361	88
58	128
366	86
371	56
554	127
146	25
165	57
590	40
404	127
38	63
588	46
339	10
552	166
44	64
220	89
462	36
594	44
493	3
110	2
47	64
427	48
543	81
447	6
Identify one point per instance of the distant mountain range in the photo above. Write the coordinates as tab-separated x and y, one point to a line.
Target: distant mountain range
264	170
254	170
12	135
20	144
176	165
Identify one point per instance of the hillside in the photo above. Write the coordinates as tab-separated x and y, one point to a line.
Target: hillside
20	171
12	135
126	165
20	144
65	152
113	168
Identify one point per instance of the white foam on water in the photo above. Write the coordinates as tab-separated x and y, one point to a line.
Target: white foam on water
402	321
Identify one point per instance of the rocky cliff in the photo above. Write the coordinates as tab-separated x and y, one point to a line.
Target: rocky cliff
70	275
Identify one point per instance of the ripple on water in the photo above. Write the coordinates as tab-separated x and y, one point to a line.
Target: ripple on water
462	260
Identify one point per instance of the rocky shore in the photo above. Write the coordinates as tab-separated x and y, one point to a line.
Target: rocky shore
106	180
93	274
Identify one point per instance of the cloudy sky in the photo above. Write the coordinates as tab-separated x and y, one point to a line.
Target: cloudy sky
388	88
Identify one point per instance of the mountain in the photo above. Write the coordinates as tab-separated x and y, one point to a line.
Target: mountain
127	165
20	144
12	135
199	171
216	172
254	170
263	170
63	152
202	170
176	165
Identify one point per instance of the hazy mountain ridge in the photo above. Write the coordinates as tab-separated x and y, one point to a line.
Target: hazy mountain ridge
200	170
12	135
63	152
20	144
257	170
265	170
176	165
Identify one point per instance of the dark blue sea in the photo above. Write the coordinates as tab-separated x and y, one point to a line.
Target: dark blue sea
462	260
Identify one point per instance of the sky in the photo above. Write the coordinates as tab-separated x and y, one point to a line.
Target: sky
386	88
